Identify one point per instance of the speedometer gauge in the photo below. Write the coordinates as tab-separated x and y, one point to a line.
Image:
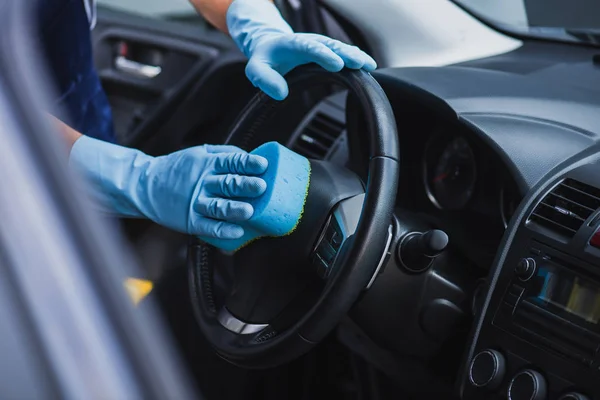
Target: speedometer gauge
451	175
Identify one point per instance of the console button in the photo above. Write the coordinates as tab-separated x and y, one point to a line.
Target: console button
528	385
511	300
487	369
525	268
513	295
336	239
573	396
516	290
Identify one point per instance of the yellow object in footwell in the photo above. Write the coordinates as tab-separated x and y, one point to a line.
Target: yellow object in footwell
138	289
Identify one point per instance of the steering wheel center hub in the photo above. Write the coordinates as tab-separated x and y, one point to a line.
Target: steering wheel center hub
271	272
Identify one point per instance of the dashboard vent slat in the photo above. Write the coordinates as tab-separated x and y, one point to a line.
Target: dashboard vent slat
305	151
576	204
318	136
566	207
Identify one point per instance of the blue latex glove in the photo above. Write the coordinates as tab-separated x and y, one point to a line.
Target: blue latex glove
195	191
274	49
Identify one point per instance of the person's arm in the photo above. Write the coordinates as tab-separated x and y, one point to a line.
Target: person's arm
194	191
272	47
215	11
69	134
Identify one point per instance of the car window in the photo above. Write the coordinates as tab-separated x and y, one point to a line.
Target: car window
581	14
162	9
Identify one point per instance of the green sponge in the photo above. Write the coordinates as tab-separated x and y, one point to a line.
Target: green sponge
279	210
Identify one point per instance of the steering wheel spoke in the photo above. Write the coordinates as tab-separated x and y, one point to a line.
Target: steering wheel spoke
340	226
236	325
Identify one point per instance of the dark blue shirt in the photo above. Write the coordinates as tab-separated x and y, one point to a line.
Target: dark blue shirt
64	33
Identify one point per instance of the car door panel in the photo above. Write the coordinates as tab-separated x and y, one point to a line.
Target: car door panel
150	67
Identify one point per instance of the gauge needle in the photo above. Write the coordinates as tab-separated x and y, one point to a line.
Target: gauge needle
440	177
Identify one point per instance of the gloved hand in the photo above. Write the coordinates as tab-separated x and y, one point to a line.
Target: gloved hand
196	191
274	49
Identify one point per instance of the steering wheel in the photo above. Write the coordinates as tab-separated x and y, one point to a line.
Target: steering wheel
288	293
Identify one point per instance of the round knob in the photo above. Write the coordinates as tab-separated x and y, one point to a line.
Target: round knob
487	369
433	242
573	396
525	268
418	250
527	385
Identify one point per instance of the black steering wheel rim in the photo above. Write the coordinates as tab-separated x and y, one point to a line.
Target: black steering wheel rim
361	256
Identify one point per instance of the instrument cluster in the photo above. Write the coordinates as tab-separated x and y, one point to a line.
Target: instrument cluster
460	175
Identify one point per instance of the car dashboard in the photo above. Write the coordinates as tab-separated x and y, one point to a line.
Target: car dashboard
465	165
484	150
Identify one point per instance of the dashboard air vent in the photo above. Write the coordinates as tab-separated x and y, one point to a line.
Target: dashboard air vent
318	135
566	207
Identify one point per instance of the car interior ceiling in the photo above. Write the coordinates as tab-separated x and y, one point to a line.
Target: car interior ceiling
504	122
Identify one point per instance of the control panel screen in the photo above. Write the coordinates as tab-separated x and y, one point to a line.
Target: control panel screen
568	291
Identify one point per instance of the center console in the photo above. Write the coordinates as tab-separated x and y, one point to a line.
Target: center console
538	336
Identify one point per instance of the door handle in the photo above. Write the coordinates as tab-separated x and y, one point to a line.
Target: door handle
137	69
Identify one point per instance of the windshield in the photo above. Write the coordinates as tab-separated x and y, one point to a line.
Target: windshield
161	9
567	20
574	20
